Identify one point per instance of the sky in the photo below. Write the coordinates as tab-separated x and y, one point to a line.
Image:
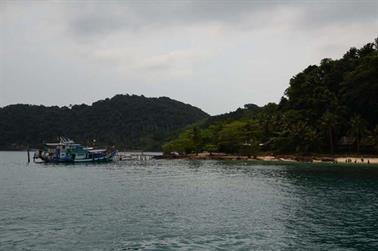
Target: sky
216	55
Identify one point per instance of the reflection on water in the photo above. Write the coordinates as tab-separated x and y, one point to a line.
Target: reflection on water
186	205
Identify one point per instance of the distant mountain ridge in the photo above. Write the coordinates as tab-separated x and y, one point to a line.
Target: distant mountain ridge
126	121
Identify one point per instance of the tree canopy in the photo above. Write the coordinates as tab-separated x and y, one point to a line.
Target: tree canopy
126	121
327	108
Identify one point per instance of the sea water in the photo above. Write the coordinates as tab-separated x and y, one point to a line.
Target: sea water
187	205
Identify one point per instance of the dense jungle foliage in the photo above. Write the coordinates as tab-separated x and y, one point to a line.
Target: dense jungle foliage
327	108
128	122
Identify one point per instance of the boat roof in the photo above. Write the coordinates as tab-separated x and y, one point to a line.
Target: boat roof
61	144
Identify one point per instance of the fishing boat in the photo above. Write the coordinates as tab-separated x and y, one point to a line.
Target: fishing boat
67	151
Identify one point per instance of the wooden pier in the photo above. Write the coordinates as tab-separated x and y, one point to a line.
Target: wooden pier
134	156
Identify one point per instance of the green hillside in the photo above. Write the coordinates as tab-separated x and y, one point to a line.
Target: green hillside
126	121
327	108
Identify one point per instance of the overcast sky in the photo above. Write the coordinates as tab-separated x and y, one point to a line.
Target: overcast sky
217	55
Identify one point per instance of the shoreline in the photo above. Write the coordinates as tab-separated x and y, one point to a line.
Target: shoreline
334	159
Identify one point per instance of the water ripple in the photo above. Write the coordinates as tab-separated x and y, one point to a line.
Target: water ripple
186	205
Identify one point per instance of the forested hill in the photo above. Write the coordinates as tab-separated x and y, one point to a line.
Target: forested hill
127	121
327	108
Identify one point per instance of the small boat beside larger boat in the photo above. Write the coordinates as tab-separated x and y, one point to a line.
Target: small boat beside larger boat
67	151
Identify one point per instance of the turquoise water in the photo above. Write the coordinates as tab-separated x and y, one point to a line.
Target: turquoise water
187	205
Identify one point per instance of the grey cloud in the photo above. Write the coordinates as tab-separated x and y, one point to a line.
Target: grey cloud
93	18
200	52
338	12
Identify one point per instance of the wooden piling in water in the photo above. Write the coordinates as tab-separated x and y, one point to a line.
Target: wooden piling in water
28	151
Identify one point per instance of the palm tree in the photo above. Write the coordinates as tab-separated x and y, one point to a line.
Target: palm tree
357	128
375	134
196	138
329	122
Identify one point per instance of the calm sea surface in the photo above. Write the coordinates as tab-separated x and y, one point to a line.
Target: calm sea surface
188	205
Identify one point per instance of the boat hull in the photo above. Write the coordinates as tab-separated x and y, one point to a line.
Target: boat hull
95	159
67	151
